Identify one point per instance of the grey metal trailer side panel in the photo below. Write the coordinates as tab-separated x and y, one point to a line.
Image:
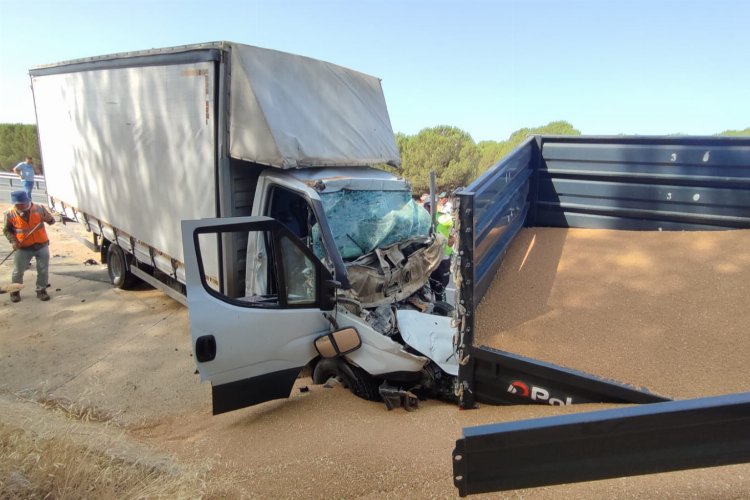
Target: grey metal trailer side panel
634	183
661	437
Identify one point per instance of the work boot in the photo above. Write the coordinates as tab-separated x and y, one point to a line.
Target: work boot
15	296
42	295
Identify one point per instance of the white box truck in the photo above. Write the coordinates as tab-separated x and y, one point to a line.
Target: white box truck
269	158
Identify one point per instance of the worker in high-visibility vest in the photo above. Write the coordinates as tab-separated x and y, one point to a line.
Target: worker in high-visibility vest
24	228
441	276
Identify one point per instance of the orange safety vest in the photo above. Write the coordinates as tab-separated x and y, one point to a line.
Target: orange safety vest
23	228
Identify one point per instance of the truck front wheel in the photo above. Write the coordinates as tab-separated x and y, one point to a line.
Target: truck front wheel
118	267
357	380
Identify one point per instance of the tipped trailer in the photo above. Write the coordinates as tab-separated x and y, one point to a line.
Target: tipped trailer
623	183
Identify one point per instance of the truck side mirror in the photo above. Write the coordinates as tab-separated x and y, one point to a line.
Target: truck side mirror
338	343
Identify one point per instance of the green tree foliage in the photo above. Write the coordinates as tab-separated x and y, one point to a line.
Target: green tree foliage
552	128
449	151
17	141
736	133
455	157
492	152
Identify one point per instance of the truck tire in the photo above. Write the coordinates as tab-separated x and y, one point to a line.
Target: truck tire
324	370
361	383
118	267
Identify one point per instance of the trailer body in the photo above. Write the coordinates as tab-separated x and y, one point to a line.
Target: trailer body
626	183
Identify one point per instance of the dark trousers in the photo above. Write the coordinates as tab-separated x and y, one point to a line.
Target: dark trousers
439	279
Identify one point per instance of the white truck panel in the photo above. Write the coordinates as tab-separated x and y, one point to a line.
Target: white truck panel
134	147
292	111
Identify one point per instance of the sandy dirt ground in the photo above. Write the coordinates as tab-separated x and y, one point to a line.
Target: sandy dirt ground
126	355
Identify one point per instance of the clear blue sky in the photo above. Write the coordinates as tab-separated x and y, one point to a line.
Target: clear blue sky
487	67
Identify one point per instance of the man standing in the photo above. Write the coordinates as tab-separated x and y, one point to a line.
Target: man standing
441	276
25	170
24	228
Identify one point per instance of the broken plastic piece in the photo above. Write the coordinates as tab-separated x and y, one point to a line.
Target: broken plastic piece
394	397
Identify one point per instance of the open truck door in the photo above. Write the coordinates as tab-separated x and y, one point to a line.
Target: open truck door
253	326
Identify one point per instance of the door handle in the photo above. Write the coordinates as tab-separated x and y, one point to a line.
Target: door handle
205	348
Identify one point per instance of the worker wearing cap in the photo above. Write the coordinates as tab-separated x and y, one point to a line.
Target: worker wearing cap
24	228
444	203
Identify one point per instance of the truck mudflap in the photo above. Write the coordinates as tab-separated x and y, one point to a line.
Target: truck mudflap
604	444
505	378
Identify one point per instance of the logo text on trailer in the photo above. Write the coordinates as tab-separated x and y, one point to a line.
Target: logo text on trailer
536	394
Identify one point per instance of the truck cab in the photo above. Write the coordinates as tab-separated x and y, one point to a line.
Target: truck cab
332	273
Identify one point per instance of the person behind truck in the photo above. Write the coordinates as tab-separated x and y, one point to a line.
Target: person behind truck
441	276
25	170
444	204
24	228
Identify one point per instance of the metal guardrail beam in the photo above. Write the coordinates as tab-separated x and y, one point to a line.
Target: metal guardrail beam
10	182
11	179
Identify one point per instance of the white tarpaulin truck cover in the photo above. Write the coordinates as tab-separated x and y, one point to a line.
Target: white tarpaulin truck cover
292	111
131	146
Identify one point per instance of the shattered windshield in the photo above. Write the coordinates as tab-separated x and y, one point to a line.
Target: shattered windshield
362	221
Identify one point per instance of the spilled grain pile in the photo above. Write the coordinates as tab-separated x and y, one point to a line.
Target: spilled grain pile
669	311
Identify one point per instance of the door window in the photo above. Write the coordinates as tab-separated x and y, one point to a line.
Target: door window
278	270
300	275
